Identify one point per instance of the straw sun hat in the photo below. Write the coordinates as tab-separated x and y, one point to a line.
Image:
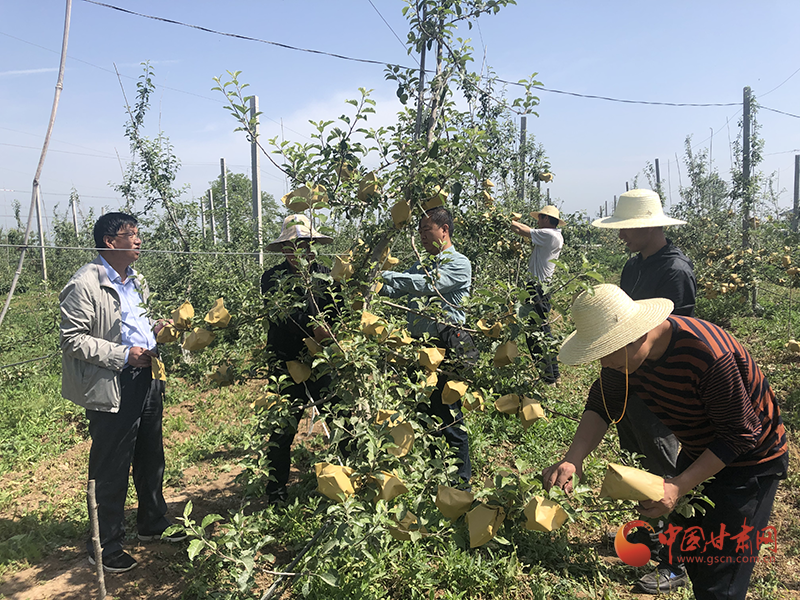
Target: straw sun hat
297	227
636	209
550	211
607	320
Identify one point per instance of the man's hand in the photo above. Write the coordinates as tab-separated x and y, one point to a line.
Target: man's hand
560	475
649	508
140	357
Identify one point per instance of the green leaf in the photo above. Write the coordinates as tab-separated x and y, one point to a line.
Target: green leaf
209	519
195	546
330	577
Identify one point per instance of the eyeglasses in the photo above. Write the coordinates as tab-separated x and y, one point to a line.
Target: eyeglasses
130	234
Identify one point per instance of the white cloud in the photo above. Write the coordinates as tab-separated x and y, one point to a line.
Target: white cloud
28	72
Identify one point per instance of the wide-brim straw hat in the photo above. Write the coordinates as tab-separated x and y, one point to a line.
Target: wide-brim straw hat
636	209
550	211
297	227
606	319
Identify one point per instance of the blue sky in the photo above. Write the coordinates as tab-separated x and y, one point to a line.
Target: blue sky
676	51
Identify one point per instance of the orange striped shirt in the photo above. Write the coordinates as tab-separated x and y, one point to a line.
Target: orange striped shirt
708	391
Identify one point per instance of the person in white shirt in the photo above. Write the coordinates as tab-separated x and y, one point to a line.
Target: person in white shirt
547	243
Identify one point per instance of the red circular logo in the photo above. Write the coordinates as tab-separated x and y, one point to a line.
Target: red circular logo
635	555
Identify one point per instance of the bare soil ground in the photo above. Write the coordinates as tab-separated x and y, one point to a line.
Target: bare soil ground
66	573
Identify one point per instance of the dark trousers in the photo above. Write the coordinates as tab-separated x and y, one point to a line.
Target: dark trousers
642	432
540	302
741	495
280	451
131	436
453	428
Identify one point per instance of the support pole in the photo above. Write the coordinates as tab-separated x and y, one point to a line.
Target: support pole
255	164
658	182
523	134
796	205
746	199
225	200
73	200
202	218
421	86
98	550
41	233
212	218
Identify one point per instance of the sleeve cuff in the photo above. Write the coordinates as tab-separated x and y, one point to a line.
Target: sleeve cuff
723	452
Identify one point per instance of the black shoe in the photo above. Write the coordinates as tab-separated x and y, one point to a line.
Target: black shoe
276	494
172	538
119	562
664	579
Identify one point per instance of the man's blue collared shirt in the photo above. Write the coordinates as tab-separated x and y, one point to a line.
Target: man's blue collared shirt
452	278
136	329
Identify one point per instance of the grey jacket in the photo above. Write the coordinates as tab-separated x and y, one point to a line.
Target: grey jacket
93	355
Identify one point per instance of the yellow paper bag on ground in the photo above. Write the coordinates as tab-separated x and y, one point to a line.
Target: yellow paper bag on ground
493	331
431	358
530	412
508	404
405	526
627	483
298	370
334	481
484	522
389	486
401	214
452	502
218	315
157	367
182	316
453	390
473	401
505	354
198	339
544	515
167	334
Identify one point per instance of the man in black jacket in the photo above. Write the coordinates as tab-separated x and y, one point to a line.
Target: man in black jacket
657	270
287	332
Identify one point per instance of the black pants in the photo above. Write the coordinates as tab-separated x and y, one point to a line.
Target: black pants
453	429
131	436
540	302
743	498
280	454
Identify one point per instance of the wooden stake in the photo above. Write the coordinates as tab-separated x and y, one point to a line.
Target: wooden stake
98	550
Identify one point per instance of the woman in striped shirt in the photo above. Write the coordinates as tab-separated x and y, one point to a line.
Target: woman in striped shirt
707	389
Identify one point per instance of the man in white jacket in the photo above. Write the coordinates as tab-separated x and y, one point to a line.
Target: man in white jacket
107	345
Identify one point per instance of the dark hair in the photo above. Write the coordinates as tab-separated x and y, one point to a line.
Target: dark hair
110	224
441	217
553	220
